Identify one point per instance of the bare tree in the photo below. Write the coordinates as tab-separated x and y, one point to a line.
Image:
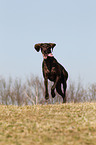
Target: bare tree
35	89
92	92
31	91
5	91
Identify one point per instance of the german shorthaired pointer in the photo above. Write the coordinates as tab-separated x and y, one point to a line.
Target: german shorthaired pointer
52	70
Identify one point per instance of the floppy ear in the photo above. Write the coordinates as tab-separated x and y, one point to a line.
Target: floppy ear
37	47
52	45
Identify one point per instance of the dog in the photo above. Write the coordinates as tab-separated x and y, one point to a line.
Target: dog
52	70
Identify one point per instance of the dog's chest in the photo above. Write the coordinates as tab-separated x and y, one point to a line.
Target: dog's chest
51	73
49	69
50	66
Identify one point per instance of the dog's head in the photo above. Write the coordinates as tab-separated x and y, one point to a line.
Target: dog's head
46	49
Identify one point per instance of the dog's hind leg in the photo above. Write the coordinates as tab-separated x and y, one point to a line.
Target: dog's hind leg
64	88
59	90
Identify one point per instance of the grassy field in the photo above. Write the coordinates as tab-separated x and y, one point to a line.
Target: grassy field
60	124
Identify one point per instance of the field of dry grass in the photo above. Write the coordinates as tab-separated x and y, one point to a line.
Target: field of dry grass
59	124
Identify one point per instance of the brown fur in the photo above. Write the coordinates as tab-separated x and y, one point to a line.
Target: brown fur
53	71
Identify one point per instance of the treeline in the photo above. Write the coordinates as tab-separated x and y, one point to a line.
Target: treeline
31	91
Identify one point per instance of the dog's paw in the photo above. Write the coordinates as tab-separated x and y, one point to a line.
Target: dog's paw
64	100
47	96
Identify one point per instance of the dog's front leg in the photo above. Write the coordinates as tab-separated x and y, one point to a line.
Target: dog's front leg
46	89
54	86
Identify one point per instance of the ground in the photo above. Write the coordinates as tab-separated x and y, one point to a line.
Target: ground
59	124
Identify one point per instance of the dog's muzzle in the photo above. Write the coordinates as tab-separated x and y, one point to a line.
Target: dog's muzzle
45	56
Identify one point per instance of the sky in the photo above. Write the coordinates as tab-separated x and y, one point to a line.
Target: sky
71	24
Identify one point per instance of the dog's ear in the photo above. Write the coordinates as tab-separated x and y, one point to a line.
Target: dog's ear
37	47
52	45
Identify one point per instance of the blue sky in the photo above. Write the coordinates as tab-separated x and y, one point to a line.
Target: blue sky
71	24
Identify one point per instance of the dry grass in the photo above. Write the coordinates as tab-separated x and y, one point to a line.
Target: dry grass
68	124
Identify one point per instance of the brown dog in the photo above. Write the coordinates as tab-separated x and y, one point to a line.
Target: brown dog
52	70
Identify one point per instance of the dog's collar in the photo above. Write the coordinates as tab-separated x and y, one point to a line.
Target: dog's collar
50	55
